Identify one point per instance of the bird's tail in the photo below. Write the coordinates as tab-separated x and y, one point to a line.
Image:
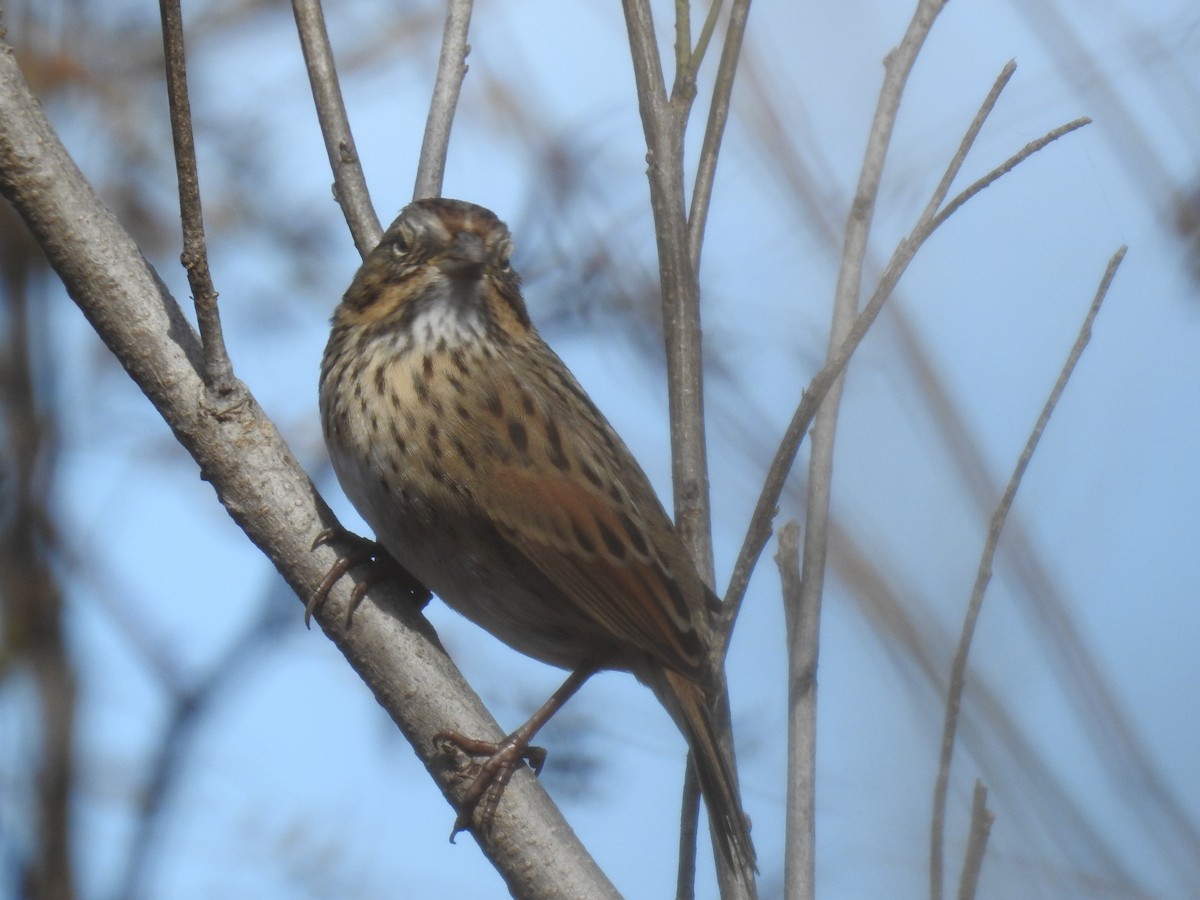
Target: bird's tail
689	705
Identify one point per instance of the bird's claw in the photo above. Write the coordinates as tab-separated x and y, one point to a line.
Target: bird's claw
484	792
363	551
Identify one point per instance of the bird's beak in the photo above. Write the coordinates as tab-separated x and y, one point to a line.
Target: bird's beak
465	258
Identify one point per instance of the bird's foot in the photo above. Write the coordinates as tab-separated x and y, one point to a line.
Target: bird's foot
361	552
503	759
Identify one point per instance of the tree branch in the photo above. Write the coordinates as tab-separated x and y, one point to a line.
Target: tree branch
265	491
898	65
958	669
706	32
452	68
662	123
759	530
689	825
803	633
685	74
714	131
218	373
349	183
977	838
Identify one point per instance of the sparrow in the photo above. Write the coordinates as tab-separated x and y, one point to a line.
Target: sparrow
487	472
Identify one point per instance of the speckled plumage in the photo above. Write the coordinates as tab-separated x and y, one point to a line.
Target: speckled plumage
488	473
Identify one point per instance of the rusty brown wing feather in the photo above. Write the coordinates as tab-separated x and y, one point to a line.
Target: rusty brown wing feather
575	539
556	524
578	507
574	502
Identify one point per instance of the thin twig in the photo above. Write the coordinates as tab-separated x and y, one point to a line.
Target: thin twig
689	826
803	630
958	669
820	481
218	373
647	65
684	73
1007	166
810	589
452	68
706	33
759	530
1043	602
663	122
977	838
349	183
968	141
847	296
714	131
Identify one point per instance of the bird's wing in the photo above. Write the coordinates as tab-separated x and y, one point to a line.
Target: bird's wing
601	560
564	490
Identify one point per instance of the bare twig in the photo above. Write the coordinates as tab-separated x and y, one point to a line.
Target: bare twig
898	65
685	75
803	630
714	131
968	141
689	823
349	183
1007	166
1041	598
662	122
759	530
706	33
452	68
1001	748
218	373
266	491
958	669
977	838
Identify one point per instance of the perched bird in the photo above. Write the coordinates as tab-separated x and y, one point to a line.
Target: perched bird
487	472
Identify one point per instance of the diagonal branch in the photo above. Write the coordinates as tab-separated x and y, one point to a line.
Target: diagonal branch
452	68
706	32
958	669
977	838
349	183
714	131
759	530
266	492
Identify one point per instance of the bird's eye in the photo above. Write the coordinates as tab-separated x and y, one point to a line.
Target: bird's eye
401	241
